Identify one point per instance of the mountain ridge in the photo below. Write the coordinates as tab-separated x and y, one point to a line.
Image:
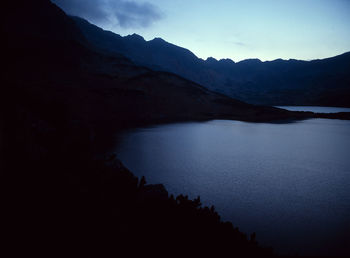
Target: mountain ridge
59	198
135	35
101	90
277	82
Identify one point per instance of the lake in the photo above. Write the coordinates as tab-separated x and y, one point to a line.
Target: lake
316	109
288	182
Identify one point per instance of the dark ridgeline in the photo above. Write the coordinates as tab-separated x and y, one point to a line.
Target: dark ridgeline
57	95
323	82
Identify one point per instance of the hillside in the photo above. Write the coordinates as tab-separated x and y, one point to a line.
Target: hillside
50	62
278	82
59	97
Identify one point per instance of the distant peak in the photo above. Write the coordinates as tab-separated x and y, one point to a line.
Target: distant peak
278	60
158	39
251	61
211	59
226	61
135	37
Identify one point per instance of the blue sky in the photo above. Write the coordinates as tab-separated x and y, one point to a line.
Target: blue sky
236	29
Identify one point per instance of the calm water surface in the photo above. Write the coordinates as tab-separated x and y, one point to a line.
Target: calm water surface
316	109
289	183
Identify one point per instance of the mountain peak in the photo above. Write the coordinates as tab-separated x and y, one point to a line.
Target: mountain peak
226	61
135	37
157	39
211	60
251	61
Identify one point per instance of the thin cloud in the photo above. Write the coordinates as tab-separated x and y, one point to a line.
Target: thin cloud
127	14
240	44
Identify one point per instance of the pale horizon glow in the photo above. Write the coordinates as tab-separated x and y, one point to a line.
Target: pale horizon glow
235	29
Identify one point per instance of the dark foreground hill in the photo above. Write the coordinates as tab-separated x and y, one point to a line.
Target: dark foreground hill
279	82
57	93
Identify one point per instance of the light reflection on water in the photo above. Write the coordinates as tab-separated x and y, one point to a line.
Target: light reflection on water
316	109
289	183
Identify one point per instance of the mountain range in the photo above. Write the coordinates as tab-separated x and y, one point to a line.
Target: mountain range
52	63
60	198
323	82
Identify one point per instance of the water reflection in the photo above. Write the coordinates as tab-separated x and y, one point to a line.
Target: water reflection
287	182
316	109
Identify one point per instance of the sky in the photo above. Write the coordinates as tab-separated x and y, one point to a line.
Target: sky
235	29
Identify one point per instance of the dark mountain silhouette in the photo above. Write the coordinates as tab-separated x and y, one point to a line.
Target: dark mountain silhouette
51	61
278	82
59	97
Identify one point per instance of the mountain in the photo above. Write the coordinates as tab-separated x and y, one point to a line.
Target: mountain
278	82
57	95
59	90
51	63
